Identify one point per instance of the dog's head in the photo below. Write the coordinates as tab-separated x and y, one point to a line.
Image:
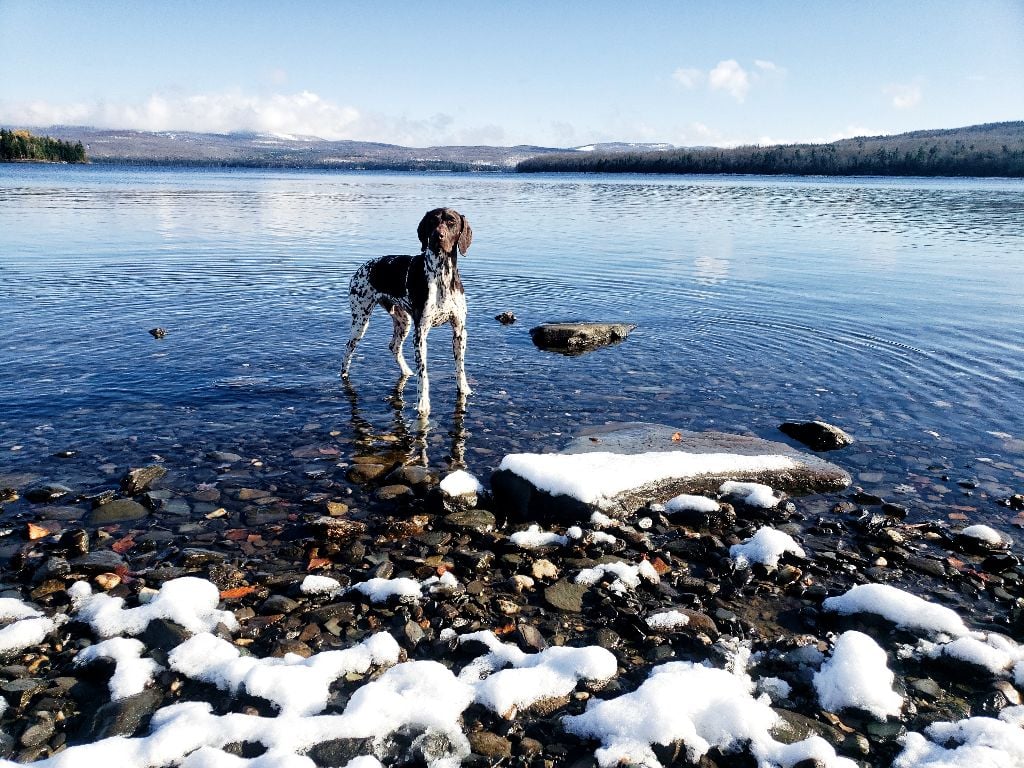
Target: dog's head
442	229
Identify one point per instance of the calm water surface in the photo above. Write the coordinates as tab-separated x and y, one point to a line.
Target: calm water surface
890	307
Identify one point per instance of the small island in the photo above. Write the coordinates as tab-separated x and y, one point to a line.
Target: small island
22	146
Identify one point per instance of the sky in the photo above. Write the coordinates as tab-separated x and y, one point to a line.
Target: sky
549	73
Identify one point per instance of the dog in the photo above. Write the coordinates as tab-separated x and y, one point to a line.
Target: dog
422	292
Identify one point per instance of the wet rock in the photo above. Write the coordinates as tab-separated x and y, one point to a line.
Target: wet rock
529	638
577	338
285	646
224	457
392	492
47	492
118	511
415	476
100	561
505	318
164	635
366	473
19	692
278	604
137	481
816	435
157	333
566	595
518	498
195	557
338	529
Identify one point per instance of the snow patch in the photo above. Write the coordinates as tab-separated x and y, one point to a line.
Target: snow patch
857	676
766	546
902	608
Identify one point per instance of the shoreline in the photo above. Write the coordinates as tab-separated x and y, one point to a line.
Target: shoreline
256	530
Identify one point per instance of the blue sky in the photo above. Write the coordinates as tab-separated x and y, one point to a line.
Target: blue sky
548	73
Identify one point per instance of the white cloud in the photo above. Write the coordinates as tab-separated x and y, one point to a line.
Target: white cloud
688	77
904	96
298	113
767	66
729	76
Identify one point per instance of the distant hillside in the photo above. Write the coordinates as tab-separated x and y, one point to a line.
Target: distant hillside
17	146
279	151
993	149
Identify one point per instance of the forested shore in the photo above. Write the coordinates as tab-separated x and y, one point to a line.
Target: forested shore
995	149
23	146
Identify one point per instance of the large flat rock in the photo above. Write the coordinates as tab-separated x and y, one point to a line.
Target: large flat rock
622	467
577	338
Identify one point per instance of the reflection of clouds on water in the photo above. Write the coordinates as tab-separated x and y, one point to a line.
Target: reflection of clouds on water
713	259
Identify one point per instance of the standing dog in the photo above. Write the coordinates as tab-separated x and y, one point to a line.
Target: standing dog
422	291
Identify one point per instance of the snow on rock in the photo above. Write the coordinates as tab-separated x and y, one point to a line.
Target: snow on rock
596	478
188	601
857	676
976	741
532	677
686	502
751	494
132	673
534	538
766	546
627	576
703	707
986	535
667	621
460	483
901	608
26	632
12	609
381	590
319	585
297	686
209	757
994	653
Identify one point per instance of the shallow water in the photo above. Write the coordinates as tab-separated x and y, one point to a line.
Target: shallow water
892	308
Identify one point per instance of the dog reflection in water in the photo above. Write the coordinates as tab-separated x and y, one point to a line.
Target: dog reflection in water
400	442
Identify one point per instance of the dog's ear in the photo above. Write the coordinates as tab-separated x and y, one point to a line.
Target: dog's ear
425	227
466	237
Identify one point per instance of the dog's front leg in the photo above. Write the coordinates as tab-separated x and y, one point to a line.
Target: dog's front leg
459	347
423	401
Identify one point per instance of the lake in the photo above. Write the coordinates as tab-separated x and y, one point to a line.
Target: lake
893	308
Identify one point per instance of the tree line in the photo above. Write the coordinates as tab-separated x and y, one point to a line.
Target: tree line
22	145
995	149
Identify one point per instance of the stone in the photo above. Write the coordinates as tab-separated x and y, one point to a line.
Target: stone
476	519
118	511
577	338
100	561
566	595
505	318
337	529
517	498
46	492
395	491
365	473
544	569
195	557
137	481
816	435
490	744
337	753
124	717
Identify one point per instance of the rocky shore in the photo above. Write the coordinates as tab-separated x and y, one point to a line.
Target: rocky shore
268	614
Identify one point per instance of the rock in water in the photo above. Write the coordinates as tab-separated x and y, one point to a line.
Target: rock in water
157	333
518	494
577	338
816	435
139	480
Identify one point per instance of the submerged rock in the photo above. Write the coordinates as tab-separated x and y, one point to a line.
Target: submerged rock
519	493
577	338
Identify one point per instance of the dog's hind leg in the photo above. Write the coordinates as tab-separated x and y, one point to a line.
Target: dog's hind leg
362	306
402	323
